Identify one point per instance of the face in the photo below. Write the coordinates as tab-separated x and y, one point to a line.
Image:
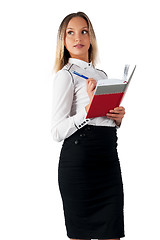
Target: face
77	40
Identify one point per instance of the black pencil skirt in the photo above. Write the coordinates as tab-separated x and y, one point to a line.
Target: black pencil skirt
90	184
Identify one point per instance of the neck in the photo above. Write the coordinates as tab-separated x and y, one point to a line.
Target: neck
85	59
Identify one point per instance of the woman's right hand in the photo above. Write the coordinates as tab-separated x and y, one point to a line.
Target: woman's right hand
90	88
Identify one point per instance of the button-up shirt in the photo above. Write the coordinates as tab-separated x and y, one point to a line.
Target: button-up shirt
70	99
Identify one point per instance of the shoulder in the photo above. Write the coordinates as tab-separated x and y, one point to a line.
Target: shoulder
64	74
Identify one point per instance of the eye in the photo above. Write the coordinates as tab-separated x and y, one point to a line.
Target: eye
70	32
84	32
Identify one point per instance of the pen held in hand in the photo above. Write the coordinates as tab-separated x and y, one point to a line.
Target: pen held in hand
80	75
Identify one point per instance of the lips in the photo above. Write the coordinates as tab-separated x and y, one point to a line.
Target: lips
78	46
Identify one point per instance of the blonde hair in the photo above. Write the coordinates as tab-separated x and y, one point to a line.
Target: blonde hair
62	54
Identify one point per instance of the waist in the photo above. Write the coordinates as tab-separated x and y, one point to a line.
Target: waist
94	133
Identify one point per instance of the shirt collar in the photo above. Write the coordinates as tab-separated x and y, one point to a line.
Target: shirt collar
80	63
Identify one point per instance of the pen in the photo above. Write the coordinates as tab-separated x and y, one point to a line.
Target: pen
80	75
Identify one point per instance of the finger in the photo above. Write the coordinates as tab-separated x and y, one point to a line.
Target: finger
116	116
91	80
113	111
91	87
113	117
119	108
92	84
118	111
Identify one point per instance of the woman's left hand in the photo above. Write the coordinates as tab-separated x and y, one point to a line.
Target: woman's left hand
117	114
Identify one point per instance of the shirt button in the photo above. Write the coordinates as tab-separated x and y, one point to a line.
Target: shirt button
76	142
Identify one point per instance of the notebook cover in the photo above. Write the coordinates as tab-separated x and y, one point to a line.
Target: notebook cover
103	103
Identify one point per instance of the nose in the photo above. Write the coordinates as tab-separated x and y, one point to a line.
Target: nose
77	37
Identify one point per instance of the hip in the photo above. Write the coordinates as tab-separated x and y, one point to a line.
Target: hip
89	143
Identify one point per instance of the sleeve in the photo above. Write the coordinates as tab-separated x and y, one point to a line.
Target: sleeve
62	124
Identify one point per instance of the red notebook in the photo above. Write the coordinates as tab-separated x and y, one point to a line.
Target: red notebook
108	94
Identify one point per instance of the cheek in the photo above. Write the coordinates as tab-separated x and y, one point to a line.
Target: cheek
68	43
87	41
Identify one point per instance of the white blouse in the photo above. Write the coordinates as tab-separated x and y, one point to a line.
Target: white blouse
70	98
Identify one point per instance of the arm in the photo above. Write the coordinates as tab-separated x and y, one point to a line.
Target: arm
62	124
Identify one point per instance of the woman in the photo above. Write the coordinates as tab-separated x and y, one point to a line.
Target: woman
89	172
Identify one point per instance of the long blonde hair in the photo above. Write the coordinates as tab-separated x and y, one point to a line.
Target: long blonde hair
62	54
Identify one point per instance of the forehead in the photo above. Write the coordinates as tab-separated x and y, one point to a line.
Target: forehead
77	22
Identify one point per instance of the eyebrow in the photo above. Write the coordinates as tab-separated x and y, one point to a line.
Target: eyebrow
73	28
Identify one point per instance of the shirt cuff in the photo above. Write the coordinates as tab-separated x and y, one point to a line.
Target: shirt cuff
80	119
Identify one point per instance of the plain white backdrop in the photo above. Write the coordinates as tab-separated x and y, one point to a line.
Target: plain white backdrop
127	32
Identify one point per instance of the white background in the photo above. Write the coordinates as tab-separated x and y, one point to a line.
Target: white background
127	32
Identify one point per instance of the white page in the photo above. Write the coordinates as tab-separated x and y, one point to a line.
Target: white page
109	81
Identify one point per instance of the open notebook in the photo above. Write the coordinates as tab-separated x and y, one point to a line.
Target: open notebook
109	93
